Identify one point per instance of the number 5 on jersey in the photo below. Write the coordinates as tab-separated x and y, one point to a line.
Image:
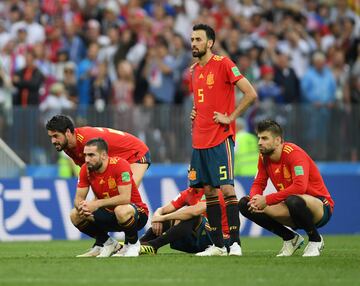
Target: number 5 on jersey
200	95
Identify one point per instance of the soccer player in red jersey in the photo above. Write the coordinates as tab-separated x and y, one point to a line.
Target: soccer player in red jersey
65	137
183	224
302	199
212	82
117	205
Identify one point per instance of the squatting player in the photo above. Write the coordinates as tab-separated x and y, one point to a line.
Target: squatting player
212	82
117	207
65	137
183	224
302	199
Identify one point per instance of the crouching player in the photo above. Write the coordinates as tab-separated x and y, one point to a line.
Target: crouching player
302	199
117	207
183	224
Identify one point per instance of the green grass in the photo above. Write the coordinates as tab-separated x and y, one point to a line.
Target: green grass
53	263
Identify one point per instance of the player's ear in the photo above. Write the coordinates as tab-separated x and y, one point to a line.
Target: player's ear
210	44
68	131
103	155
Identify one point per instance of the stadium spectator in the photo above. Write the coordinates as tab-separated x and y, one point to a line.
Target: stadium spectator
28	82
73	43
118	205
55	103
86	70
285	77
302	199
35	31
182	59
267	89
100	88
159	72
318	88
182	223
69	81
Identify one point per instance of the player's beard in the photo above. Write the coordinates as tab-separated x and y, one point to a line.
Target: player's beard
60	147
198	53
94	167
267	152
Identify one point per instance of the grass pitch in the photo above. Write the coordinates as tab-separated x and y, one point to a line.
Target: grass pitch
53	263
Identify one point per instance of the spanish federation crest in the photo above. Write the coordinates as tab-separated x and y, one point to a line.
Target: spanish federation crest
210	80
287	174
111	183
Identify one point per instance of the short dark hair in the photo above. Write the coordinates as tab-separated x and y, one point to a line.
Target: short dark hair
210	33
60	123
99	143
269	125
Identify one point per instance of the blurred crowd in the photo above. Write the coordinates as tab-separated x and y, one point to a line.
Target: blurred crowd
73	54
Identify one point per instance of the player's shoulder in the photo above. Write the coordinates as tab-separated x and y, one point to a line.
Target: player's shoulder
81	133
291	148
218	58
117	161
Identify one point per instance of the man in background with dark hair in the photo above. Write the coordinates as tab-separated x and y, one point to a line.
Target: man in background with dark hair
117	206
212	82
302	199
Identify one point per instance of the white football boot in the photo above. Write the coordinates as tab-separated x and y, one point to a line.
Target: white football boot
109	248
129	250
213	250
93	252
314	248
290	246
235	250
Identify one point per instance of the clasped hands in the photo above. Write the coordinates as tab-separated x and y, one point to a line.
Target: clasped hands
257	204
86	208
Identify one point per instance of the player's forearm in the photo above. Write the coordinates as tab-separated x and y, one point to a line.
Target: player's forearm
297	188
80	196
248	99
178	215
187	212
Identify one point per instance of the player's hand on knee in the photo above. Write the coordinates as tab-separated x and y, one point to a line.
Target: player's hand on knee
157	228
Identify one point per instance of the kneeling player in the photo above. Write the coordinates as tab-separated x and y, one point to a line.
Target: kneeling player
117	207
302	199
182	224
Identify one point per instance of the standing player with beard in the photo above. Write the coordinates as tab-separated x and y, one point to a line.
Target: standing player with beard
212	82
65	137
302	199
117	207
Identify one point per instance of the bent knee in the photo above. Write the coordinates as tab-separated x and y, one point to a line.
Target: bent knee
295	201
243	204
124	212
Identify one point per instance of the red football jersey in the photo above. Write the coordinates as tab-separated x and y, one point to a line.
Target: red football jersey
213	89
121	144
192	196
104	185
295	173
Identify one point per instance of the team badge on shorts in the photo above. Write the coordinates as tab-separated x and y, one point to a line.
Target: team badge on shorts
192	175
